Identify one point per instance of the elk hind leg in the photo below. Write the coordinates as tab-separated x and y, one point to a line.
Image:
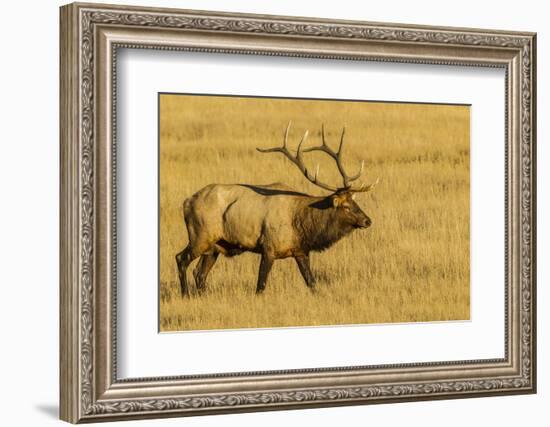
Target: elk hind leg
202	269
183	259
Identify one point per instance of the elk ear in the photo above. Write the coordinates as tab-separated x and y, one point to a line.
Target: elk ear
337	200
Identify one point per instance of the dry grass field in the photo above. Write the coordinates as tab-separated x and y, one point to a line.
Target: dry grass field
412	265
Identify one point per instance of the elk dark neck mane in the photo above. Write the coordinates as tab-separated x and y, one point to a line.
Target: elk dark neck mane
320	225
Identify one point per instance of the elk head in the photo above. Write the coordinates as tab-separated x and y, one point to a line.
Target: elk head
348	211
343	197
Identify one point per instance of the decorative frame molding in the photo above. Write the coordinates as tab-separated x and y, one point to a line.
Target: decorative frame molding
90	36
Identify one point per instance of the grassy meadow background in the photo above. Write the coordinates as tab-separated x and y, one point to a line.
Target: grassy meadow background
412	265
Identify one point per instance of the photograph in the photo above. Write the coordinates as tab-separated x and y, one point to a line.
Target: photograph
291	212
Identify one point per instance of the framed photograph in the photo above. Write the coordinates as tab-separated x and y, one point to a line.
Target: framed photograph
266	212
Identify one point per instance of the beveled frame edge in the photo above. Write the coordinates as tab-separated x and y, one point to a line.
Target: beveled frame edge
88	393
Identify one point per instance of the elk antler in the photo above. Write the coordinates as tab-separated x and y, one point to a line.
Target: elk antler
298	160
336	155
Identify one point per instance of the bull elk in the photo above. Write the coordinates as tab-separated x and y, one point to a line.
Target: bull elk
274	220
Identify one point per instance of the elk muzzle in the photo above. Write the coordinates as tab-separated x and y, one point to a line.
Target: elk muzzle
365	222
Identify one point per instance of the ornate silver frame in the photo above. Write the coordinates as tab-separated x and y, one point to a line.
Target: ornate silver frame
90	36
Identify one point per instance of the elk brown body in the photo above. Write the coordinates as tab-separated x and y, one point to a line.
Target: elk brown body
274	221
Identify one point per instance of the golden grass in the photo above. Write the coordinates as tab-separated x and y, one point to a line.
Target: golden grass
412	265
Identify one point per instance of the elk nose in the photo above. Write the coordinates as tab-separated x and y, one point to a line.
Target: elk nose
366	222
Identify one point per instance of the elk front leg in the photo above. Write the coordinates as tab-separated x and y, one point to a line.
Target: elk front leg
303	265
265	267
202	269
